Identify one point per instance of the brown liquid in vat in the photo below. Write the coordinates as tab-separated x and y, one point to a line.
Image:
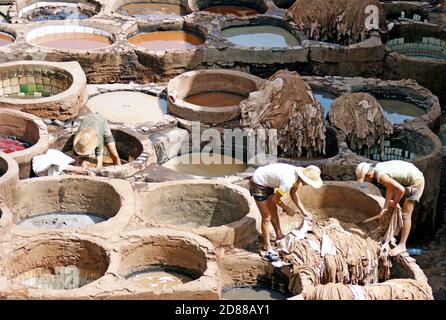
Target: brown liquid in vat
5	39
166	40
75	41
215	99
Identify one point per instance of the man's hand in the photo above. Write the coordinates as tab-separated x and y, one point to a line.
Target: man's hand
382	215
307	214
114	153
99	162
289	211
393	204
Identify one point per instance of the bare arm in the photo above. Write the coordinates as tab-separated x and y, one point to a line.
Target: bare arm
297	201
99	162
277	200
394	191
113	153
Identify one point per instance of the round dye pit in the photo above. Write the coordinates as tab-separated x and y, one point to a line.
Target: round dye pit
10	144
66	203
135	151
260	36
421	48
284	4
152	10
163	264
206	165
239	11
22	127
5	39
418	41
407	145
128	107
49	90
404	11
348	202
9	177
397	111
59	264
34	81
69	37
129	148
240	8
177	205
166	40
253	293
45	11
210	96
340	201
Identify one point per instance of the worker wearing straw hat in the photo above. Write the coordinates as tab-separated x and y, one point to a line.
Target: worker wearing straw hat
93	133
400	178
284	178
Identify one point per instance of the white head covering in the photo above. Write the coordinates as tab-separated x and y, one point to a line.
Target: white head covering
311	175
361	170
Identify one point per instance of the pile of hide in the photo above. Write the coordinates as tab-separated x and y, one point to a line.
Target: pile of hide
326	251
340	21
360	120
395	289
332	260
286	103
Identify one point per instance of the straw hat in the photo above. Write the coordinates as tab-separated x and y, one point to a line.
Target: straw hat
85	142
361	170
311	175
